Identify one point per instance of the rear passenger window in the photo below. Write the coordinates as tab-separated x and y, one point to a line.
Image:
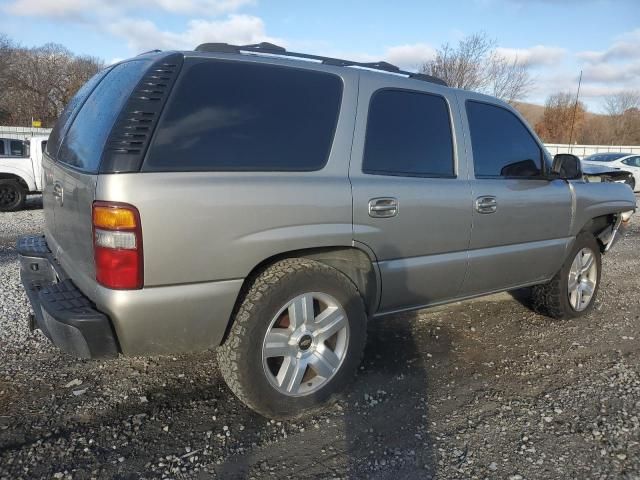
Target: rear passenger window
502	146
241	116
408	134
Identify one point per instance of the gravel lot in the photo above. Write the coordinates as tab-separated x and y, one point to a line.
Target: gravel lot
480	389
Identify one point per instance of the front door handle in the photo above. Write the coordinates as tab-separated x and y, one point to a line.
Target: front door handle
486	204
383	207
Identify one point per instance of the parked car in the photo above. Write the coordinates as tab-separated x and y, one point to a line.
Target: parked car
239	199
20	170
621	161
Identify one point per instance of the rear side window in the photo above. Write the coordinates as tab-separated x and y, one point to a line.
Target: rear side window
240	116
2	151
502	146
55	137
83	144
17	148
408	134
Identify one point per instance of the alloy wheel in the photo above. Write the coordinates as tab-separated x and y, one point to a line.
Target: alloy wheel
305	344
583	277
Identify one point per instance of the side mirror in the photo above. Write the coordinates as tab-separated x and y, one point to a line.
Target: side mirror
567	166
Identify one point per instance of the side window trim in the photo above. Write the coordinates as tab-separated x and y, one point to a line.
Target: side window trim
454	155
543	165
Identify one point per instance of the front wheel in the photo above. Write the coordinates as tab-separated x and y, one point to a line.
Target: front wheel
572	291
296	341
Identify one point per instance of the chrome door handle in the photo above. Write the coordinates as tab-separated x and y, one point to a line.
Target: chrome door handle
58	192
383	207
486	204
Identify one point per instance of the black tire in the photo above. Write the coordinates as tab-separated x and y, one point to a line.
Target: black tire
12	195
552	299
240	356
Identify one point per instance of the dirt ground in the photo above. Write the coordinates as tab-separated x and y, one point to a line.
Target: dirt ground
478	389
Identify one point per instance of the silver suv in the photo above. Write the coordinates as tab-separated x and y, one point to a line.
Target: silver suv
244	200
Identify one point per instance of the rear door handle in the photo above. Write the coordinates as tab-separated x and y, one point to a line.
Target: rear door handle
486	204
58	192
383	207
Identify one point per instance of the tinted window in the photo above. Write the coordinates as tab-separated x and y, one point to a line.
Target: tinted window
408	133
85	140
502	146
632	161
243	116
67	114
17	148
2	152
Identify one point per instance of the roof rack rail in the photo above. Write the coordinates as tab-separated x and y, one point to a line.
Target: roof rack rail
271	49
150	51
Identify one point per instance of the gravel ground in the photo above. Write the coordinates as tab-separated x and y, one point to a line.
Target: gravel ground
479	389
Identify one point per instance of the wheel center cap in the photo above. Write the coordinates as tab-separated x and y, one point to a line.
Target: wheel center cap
305	342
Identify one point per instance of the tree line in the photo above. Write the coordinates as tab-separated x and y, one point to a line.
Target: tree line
36	84
567	120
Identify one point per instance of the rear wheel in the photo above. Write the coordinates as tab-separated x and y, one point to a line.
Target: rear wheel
572	292
12	195
296	341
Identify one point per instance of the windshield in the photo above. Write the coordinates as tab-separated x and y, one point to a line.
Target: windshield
604	157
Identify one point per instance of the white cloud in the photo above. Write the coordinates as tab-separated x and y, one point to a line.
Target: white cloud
620	73
142	35
410	56
534	56
83	9
407	56
625	46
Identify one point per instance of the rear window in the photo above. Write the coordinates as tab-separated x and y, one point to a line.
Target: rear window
240	116
83	144
56	135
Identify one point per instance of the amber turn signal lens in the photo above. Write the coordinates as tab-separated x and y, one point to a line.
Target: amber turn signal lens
113	217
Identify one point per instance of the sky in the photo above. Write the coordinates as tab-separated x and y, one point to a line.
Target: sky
557	38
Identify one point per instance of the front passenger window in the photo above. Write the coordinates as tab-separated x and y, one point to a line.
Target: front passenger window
502	146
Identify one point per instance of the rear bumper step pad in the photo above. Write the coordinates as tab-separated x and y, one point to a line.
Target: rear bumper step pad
61	311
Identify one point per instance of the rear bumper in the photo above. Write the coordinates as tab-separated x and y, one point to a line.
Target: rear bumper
61	311
91	321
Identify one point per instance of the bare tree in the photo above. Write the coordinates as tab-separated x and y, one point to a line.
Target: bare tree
623	111
508	79
38	82
476	65
558	118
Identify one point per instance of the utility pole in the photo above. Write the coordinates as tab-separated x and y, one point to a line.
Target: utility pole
575	107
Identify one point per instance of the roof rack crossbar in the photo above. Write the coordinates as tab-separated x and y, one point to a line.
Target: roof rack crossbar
271	49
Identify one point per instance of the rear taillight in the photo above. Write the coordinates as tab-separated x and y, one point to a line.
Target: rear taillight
117	245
